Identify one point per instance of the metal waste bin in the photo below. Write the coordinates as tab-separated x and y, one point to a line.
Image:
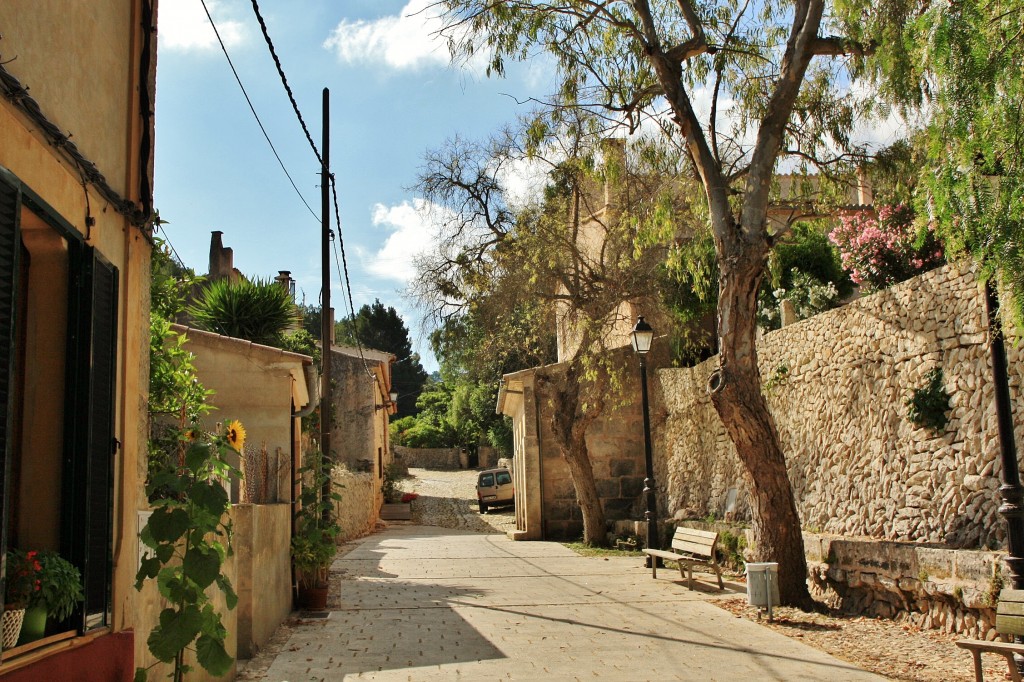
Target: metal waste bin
763	585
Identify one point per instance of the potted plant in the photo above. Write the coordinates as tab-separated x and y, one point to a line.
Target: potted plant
313	545
22	581
59	591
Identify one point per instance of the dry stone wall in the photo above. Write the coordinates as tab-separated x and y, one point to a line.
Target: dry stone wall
357	508
439	459
837	385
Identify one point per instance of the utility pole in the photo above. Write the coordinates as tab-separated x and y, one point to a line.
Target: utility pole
326	318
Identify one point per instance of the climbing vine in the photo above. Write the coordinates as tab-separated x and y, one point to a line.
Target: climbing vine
188	534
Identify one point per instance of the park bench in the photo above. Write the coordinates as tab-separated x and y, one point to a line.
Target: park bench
691	547
1009	621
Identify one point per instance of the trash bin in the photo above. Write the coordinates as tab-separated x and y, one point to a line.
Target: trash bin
763	585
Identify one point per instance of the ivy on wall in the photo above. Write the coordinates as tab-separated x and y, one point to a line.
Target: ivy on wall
927	407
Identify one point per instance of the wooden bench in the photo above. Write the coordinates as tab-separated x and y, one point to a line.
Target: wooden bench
691	547
1009	621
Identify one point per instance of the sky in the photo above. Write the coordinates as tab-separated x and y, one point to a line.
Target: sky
393	97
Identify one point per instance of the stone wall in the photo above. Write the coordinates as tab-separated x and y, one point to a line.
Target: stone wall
486	457
359	504
440	459
932	587
837	385
615	445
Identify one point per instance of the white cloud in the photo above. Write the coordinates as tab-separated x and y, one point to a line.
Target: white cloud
184	27
406	41
524	181
411	235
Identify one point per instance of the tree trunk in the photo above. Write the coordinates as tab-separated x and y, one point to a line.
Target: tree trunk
736	393
569	426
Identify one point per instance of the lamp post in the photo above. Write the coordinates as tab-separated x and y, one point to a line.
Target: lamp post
392	400
643	336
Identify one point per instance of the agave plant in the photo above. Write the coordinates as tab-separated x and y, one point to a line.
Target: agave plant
258	310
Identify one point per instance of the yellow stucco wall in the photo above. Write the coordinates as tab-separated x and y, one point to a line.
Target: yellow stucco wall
76	59
253	384
81	63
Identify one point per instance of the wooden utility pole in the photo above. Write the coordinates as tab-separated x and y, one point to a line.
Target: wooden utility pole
326	319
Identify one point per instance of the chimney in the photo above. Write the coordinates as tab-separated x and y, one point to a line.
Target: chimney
284	278
221	260
865	195
613	149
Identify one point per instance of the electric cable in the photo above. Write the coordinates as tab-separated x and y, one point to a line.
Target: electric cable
224	49
284	80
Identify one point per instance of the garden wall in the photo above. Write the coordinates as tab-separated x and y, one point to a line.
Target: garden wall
439	459
837	385
357	509
263	567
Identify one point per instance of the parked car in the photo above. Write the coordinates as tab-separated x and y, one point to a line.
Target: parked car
494	487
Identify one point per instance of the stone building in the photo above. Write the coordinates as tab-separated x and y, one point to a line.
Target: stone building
362	404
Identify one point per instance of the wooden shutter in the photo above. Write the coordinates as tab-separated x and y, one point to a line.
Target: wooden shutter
10	213
88	498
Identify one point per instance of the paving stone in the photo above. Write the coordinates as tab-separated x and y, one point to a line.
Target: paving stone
430	603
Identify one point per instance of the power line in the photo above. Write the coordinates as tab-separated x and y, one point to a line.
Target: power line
284	80
339	245
224	49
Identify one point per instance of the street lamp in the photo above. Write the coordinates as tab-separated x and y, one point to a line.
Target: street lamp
643	336
392	400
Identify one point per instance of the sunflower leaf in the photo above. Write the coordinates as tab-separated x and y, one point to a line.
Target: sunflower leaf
176	630
211	655
211	498
167	525
201	567
197	457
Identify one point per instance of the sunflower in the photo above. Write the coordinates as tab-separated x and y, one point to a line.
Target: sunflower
236	435
191	435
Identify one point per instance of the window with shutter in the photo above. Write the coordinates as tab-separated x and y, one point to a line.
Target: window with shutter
58	350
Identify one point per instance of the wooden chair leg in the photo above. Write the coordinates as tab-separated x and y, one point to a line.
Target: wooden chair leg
654	565
718	572
682	570
689	569
1010	662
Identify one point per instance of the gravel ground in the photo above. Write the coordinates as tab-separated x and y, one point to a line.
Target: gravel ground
898	651
448	499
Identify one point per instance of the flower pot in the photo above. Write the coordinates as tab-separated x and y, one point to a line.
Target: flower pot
11	626
34	625
313	598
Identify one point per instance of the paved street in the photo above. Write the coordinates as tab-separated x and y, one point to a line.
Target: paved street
428	603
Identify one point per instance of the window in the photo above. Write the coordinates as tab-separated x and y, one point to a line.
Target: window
503	478
58	340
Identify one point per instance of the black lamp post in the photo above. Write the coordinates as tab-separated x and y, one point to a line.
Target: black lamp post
643	336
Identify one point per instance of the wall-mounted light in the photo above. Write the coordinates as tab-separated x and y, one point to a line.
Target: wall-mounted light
392	400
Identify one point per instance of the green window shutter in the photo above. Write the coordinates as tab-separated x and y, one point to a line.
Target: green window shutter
10	213
89	453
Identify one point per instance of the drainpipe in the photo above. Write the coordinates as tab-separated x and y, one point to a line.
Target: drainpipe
313	386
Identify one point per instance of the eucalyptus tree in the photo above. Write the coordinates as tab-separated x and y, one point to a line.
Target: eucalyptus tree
959	64
741	85
512	274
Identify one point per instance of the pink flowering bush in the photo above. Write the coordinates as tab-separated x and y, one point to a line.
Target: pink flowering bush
882	250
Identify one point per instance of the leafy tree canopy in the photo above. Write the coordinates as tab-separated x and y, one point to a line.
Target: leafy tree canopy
959	65
382	328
